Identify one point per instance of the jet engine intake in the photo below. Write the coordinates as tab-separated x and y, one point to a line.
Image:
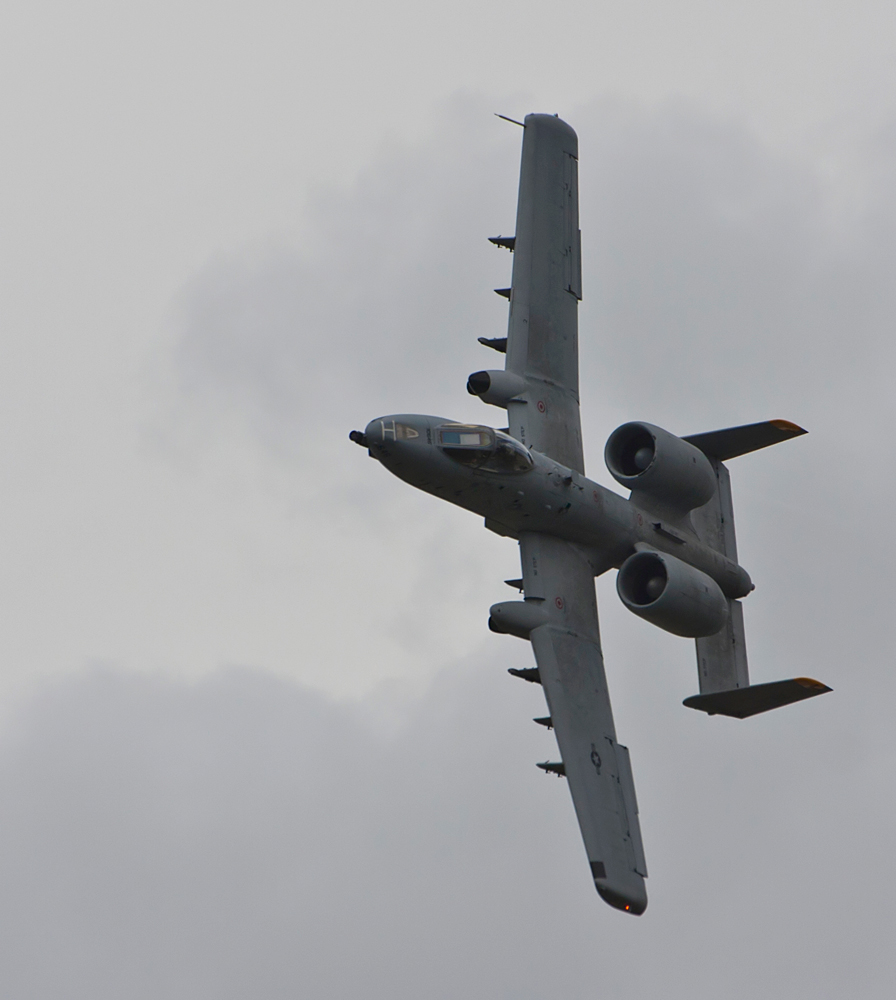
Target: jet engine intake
671	594
496	387
658	465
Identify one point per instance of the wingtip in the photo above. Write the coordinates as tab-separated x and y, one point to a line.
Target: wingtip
812	684
788	426
628	904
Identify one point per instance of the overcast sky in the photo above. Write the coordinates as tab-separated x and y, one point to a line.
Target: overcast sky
255	738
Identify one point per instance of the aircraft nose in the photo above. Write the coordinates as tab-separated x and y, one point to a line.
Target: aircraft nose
388	436
371	436
374	433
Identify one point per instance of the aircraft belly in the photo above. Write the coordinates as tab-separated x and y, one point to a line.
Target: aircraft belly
552	500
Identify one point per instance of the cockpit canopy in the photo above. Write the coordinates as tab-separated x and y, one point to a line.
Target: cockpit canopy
480	447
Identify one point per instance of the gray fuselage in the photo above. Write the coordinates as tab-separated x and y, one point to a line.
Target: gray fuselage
537	494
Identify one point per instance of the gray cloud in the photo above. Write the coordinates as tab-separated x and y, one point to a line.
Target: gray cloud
723	267
710	263
246	836
384	281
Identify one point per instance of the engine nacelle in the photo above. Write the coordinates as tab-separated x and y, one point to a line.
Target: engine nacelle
516	618
660	466
671	594
496	387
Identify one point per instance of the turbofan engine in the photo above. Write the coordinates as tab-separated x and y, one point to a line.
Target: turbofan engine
656	465
671	594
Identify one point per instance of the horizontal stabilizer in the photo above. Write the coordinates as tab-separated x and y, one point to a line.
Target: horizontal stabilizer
740	703
735	441
503	291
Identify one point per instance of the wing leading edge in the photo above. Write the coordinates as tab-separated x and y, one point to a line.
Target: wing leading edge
542	331
559	580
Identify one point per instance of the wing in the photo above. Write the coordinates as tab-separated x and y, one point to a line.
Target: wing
559	579
542	333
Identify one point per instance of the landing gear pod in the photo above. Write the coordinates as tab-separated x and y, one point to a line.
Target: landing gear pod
496	387
672	595
516	618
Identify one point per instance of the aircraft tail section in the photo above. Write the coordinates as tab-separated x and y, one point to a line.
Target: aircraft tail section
722	658
734	441
714	521
744	702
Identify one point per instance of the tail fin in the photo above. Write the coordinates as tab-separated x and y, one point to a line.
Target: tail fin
722	658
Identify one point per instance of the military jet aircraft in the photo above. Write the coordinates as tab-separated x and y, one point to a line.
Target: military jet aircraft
672	540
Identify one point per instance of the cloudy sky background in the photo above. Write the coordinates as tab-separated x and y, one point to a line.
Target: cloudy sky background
255	738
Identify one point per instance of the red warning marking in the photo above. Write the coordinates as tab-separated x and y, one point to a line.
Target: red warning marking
596	496
541	406
559	602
